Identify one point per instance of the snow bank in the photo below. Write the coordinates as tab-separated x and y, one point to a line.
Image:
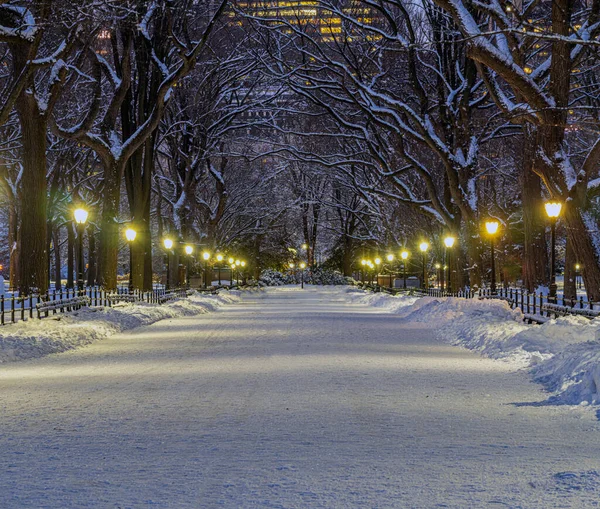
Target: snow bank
35	338
562	354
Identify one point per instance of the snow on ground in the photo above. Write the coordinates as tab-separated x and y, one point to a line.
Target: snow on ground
57	333
289	399
562	354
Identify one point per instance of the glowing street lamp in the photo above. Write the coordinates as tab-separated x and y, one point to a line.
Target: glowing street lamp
130	235
206	257
404	256
449	242
80	215
390	259
424	246
492	229
220	258
438	268
553	211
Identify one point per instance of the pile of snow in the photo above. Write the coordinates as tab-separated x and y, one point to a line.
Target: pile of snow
562	354
35	338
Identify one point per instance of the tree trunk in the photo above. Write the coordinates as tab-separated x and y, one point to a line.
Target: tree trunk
33	275
13	242
109	228
570	284
584	251
535	249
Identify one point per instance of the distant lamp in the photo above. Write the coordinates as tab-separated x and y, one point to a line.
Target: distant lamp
238	263
304	246
363	262
449	241
424	246
438	266
553	209
292	265
219	257
206	255
80	215
303	265
168	243
404	255
243	264
492	227
130	234
189	250
377	261
390	258
231	261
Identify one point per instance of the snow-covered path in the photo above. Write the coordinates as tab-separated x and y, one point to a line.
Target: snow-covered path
291	399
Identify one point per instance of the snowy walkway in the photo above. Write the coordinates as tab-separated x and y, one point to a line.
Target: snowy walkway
294	400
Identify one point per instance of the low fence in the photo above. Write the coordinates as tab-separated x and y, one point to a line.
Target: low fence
536	307
14	308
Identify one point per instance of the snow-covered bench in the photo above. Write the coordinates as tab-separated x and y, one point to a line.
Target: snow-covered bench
122	297
62	305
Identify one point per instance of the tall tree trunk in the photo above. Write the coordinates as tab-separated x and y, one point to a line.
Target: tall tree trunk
109	229
535	249
570	284
13	243
33	272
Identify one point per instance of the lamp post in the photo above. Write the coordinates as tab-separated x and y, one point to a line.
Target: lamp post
168	243
424	246
188	251
404	256
302	267
578	275
377	264
363	262
243	264
130	235
231	263
219	260
553	211
492	229
80	216
449	243
390	259
206	257
438	268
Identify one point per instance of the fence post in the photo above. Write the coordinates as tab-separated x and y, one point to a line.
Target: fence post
12	309
2	309
581	302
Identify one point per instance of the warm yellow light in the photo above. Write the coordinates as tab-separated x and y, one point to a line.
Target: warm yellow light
238	263
130	234
390	258
292	265
377	261
243	264
438	266
206	255
231	261
553	209
449	241
304	246
303	265
577	267
233	265
219	257
527	69
189	250
404	255
363	262
424	246
81	216
492	227
168	243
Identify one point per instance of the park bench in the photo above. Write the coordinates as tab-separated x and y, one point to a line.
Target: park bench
62	305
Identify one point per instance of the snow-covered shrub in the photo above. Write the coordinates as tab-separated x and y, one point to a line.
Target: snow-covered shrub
319	276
